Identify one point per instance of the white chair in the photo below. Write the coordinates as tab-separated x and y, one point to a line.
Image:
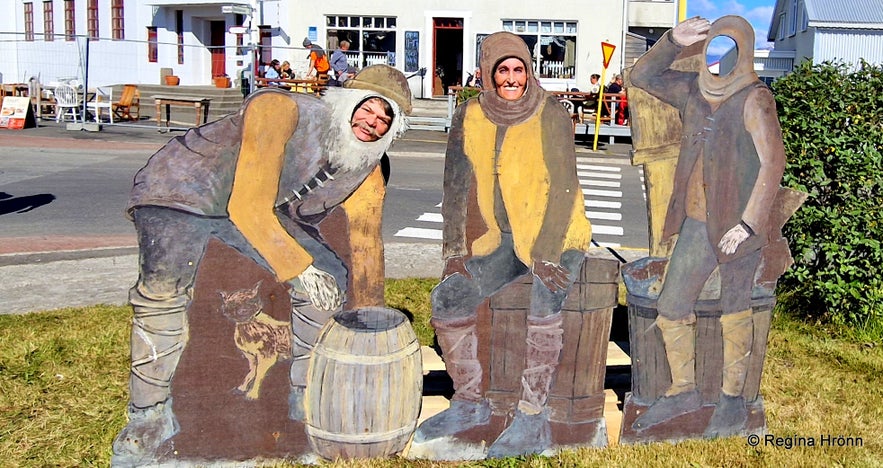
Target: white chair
103	100
67	102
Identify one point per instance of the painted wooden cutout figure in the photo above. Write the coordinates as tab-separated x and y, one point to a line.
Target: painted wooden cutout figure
726	211
259	181
511	168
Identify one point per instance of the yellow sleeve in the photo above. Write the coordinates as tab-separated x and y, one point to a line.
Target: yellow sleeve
364	212
268	123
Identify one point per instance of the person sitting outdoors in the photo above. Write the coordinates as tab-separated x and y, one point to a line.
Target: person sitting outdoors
339	64
273	73
286	72
615	92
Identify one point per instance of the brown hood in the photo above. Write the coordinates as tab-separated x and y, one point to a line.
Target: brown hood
718	88
494	49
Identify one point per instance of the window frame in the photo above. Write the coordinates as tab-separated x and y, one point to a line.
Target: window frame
92	19
117	20
70	20
179	34
48	21
544	33
29	21
385	27
152	44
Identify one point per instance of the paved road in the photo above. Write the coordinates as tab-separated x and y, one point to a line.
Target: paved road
65	242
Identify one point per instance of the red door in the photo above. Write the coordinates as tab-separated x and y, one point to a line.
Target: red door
216	45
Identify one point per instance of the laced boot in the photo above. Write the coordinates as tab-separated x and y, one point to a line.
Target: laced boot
530	431
468	409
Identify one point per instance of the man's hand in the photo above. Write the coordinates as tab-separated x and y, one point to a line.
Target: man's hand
456	265
690	31
321	287
553	275
731	240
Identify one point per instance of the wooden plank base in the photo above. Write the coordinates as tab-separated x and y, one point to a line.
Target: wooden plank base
687	426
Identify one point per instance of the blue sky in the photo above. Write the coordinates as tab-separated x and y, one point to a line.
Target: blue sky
757	12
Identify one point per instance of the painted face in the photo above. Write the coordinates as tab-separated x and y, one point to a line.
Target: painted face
370	120
510	78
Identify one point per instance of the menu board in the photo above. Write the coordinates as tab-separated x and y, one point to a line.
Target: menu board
15	113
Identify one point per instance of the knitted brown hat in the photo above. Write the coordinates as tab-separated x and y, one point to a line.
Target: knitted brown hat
499	46
385	80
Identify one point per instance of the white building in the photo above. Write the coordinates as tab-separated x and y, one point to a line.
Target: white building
140	40
828	30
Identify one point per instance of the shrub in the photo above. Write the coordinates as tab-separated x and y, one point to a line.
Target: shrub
833	126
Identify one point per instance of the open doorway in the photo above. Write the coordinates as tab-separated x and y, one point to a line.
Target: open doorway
447	56
216	45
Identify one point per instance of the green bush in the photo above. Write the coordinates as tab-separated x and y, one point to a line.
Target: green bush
833	127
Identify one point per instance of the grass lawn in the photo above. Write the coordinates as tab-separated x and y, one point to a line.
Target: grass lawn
63	376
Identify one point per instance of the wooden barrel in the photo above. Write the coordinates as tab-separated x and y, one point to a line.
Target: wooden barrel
651	376
365	385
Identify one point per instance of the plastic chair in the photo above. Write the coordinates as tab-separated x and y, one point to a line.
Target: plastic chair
67	102
103	100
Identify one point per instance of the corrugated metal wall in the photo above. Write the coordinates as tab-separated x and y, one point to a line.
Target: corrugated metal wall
848	45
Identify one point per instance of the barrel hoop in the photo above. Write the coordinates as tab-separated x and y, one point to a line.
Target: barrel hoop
347	358
366	438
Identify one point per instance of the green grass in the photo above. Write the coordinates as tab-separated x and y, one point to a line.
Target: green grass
63	378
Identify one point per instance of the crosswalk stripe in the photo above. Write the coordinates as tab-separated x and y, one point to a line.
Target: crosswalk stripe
613	205
422	233
594	167
604	215
600	183
608	230
599	175
431	217
603	193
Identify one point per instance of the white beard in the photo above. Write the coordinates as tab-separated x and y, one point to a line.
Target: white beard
345	151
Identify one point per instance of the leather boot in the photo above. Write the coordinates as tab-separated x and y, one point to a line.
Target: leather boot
468	409
731	413
530	431
159	335
679	338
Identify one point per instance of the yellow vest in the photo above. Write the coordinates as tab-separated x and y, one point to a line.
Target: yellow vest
524	184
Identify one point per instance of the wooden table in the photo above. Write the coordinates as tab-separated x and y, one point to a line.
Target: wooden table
310	85
198	103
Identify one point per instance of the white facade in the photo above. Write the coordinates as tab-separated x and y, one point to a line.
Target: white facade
822	30
410	34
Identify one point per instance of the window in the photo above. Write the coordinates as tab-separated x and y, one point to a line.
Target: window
552	45
792	18
29	21
92	19
804	18
372	38
70	24
117	26
179	32
780	35
48	23
152	52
